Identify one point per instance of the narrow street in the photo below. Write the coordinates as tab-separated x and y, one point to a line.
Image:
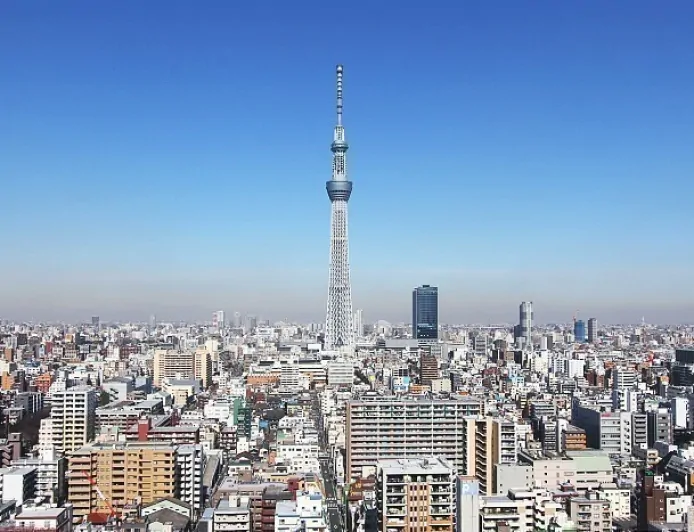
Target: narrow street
333	505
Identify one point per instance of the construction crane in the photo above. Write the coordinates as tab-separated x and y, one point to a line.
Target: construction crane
112	511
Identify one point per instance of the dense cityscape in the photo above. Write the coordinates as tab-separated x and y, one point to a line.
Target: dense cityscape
238	424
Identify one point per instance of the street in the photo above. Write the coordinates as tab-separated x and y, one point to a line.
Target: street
334	514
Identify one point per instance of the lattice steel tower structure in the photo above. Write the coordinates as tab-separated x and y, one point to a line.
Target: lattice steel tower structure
339	331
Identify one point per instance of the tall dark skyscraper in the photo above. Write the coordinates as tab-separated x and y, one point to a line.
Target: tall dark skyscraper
425	313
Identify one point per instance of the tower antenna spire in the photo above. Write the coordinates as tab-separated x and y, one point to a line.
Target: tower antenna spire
339	95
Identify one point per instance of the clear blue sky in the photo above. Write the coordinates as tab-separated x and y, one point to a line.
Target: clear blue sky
170	157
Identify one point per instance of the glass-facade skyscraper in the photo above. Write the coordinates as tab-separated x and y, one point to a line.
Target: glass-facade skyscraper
425	313
580	330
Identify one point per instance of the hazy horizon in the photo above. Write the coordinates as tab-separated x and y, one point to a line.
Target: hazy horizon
464	297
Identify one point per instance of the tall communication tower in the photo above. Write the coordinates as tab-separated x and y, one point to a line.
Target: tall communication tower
339	331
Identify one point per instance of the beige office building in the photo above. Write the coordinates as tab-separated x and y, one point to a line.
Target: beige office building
170	364
125	473
488	441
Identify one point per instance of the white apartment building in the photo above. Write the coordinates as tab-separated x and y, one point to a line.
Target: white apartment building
232	515
620	500
290	450
625	399
680	412
584	470
190	461
17	484
383	428
220	410
340	373
73	417
521	510
516	513
57	386
623	378
291	380
50	475
306	513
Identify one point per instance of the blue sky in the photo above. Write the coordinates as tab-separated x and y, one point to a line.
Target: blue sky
170	157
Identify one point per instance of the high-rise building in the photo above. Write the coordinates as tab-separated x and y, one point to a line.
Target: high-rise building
488	441
96	322
603	429
425	313
190	462
418	494
580	331
50	477
339	331
624	378
428	367
659	426
525	326
124	472
592	330
415	428
359	323
73	417
170	364
218	319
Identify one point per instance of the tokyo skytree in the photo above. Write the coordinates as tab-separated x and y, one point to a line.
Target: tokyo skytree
339	332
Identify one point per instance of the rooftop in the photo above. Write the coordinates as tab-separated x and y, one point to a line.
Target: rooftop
14	470
415	465
40	513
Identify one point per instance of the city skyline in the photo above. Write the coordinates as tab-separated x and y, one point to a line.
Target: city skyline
146	185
